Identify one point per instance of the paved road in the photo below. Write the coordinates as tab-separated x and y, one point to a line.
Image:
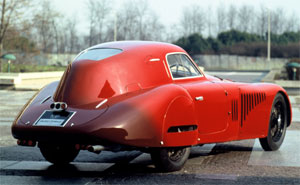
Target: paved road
239	162
239	76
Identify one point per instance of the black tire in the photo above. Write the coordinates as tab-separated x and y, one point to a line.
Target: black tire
170	159
277	125
59	154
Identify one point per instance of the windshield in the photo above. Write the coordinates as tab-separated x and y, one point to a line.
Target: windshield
98	54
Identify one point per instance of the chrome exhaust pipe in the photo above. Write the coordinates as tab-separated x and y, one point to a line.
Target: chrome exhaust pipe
95	148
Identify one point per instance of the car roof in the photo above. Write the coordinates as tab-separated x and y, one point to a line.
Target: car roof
132	45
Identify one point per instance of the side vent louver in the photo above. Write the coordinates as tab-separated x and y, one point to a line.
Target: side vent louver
248	102
234	110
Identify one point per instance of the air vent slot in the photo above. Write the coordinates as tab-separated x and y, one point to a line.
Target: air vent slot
248	103
182	128
234	110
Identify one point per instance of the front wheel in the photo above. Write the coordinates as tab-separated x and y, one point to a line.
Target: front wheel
170	159
277	125
58	154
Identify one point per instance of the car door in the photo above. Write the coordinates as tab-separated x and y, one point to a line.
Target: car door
210	99
211	106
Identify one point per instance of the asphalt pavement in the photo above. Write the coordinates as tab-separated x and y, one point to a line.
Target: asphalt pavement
238	162
248	77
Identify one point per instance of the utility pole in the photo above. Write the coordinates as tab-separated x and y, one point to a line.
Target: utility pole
269	35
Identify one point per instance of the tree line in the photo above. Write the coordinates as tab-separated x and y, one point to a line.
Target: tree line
35	26
235	42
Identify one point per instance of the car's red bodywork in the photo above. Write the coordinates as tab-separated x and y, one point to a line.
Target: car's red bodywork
144	106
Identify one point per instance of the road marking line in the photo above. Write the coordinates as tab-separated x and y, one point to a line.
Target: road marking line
43	165
217	176
143	158
4	164
207	148
146	158
287	155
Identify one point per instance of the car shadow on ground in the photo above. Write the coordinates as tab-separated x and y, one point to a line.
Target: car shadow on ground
121	162
219	149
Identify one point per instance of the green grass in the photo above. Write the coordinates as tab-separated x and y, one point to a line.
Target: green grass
23	68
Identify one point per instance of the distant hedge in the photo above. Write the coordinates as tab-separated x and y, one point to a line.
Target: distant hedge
286	45
17	68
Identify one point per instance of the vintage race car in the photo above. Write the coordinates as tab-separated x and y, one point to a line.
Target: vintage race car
148	96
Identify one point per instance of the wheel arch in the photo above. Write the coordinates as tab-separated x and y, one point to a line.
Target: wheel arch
142	118
180	126
289	107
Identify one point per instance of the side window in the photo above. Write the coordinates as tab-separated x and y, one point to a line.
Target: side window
181	66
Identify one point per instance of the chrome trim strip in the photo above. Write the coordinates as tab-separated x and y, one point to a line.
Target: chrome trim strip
154	60
199	98
166	69
34	124
45	99
74	112
101	103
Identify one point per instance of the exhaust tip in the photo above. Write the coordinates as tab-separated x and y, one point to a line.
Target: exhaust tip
26	143
95	148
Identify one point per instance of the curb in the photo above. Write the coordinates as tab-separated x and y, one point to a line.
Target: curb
28	81
291	86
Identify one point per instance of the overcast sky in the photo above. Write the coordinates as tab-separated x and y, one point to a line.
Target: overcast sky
169	11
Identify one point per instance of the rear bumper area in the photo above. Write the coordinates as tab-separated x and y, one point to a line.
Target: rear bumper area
80	135
55	135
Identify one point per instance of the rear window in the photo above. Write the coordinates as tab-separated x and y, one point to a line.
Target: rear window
98	54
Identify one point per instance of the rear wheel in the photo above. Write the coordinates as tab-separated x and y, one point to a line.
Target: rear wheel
277	125
170	159
58	154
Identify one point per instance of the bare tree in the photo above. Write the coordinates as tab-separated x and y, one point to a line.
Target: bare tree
46	24
193	20
11	14
221	19
278	21
142	10
92	22
98	14
128	23
66	35
292	23
153	29
245	17
210	21
262	21
71	35
136	21
232	17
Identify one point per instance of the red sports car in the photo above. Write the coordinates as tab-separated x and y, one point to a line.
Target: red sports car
147	96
